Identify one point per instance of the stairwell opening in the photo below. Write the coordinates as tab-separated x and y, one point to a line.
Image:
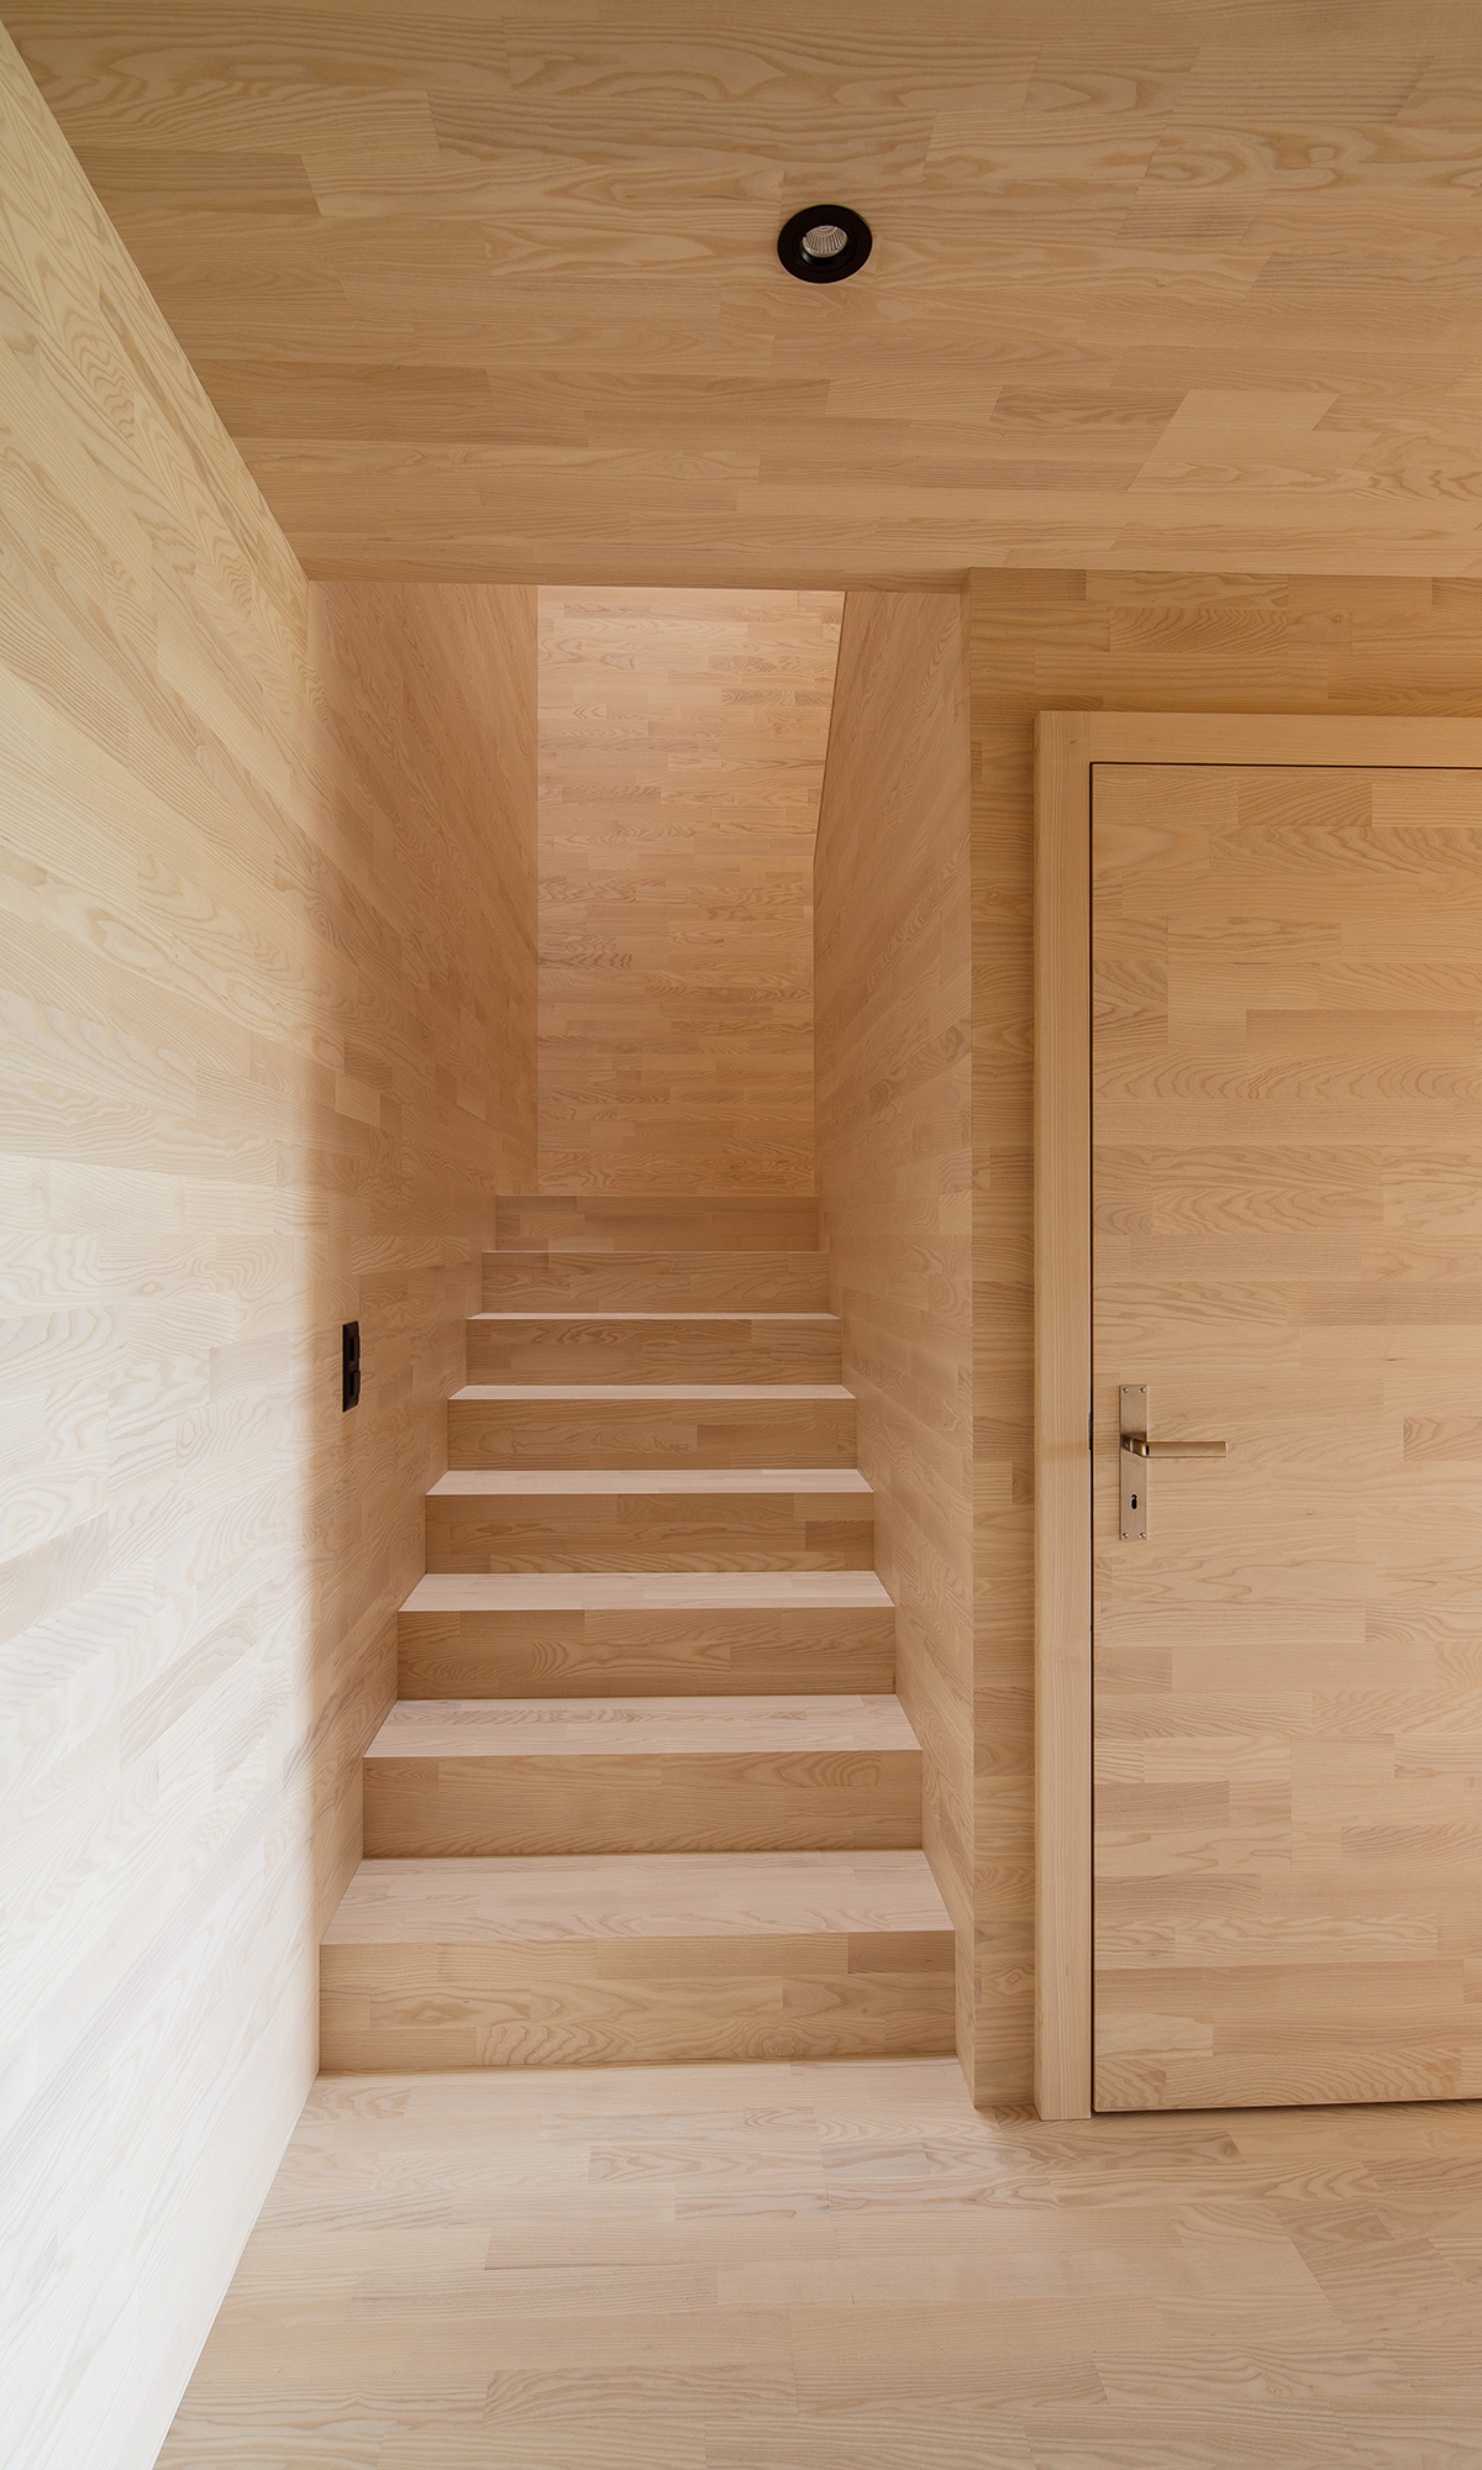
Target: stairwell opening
680	1764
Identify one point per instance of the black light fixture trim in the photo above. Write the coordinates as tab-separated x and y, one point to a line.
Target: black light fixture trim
829	259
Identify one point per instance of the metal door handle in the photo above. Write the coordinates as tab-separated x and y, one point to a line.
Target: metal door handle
1137	1449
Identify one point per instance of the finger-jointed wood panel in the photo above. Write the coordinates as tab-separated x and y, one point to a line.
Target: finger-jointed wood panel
682	738
492	290
1288	1238
617	1960
832	2268
654	1346
790	1774
1142	642
266	945
894	1159
672	1520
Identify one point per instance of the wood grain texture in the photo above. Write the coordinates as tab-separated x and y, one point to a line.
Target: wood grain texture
651	1636
654	1346
681	1775
599	1962
667	1588
894	1159
672	1519
493	290
263	1074
1104	641
843	2268
682	738
662	1228
719	1281
1063	1783
649	1424
1287	1113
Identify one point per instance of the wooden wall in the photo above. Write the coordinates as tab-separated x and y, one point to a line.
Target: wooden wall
682	738
1134	642
267	951
894	953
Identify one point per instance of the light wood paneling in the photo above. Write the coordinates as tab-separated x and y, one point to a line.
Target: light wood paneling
492	290
654	1346
604	1775
1100	640
1287	1118
647	1636
659	1227
682	738
655	1281
583	1962
894	1098
842	2268
632	1519
688	1424
267	897
670	1591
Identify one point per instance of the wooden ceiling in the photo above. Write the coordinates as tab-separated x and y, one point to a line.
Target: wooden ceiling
490	290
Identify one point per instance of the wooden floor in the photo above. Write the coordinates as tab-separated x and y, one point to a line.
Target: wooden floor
843	2267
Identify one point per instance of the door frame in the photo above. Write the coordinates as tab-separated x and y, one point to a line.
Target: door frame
1067	744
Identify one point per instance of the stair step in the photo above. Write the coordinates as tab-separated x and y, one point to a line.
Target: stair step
738	1281
654	1222
650	1519
626	1961
599	1775
645	1633
651	1424
653	1346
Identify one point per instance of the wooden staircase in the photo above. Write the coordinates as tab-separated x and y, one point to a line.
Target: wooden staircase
647	1793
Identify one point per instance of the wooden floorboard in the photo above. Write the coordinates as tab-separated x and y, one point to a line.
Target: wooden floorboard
843	2267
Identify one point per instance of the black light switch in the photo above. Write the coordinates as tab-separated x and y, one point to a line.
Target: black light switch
350	1363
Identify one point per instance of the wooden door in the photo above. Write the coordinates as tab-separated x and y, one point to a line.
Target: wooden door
1287	1249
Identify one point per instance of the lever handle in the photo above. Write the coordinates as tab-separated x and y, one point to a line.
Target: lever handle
1134	1453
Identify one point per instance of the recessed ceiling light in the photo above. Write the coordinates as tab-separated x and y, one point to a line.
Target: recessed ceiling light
823	244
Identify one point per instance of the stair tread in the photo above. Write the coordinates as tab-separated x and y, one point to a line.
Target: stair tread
536	1482
831	1319
639	1727
572	1391
827	1590
472	1899
706	1253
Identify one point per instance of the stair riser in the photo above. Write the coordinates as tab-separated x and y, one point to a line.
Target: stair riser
692	1350
731	1801
645	1654
675	1531
406	2009
631	1432
656	1282
646	1222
